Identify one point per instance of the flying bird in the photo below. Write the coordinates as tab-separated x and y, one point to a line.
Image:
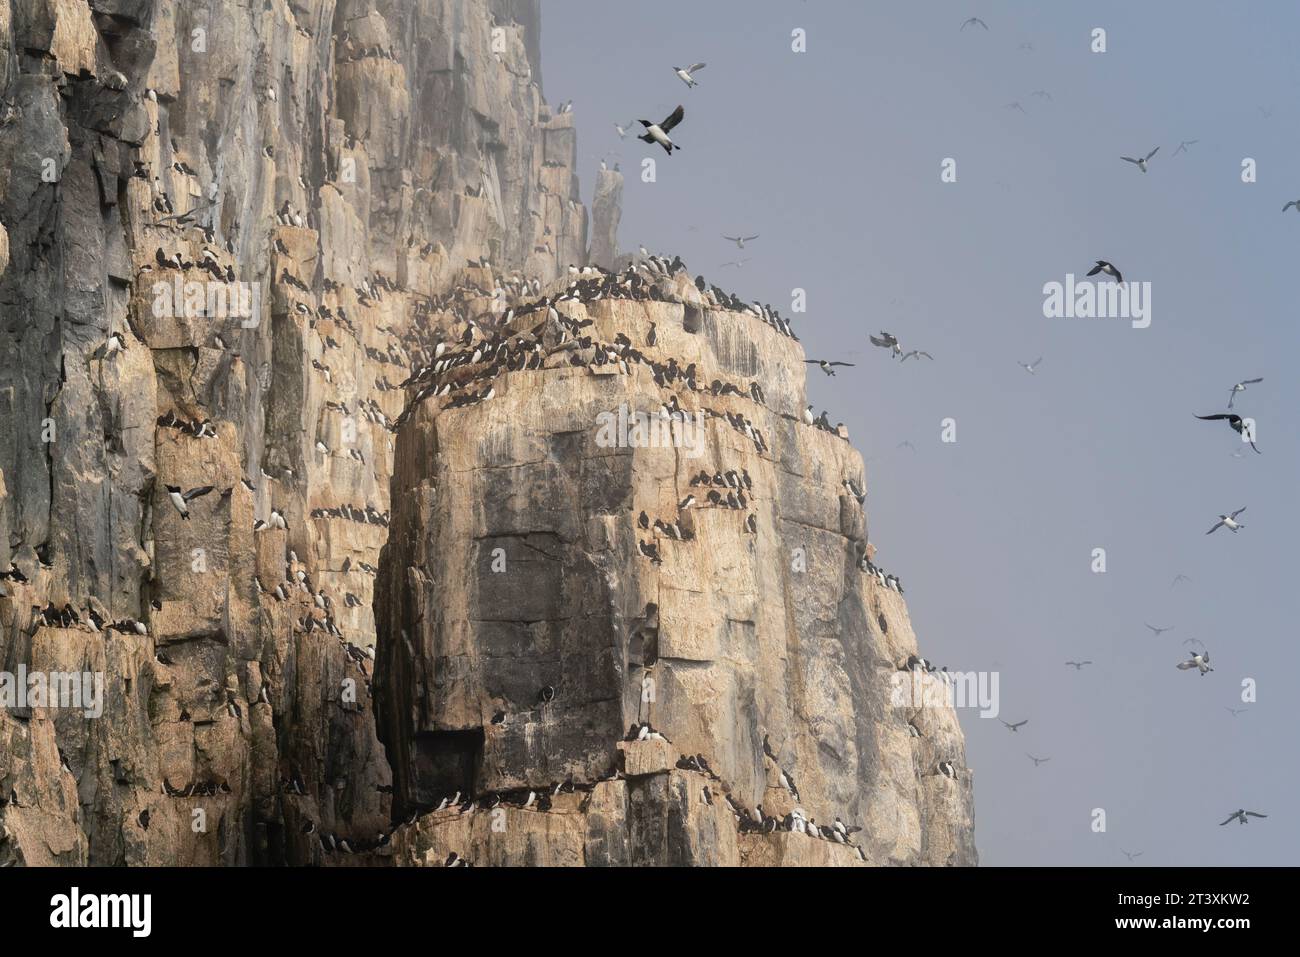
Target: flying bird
1015	105
1037	761
1295	203
738	264
1030	367
1131	854
1108	268
1141	163
1158	631
1179	578
1077	665
1228	521
1235	711
1200	660
1042	94
1017	726
623	130
887	340
658	132
1241	387
684	73
826	366
1182	147
1237	424
740	240
975	21
182	499
918	353
1240	816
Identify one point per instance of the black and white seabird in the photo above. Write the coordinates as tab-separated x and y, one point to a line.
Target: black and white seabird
825	366
1030	367
947	770
684	73
181	499
1200	660
1240	816
1108	268
1235	422
1142	162
1017	726
740	241
1241	387
658	132
887	340
1228	521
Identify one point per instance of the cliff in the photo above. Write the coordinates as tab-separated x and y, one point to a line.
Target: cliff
228	234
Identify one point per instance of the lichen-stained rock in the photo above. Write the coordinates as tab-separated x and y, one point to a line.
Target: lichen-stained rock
333	165
515	568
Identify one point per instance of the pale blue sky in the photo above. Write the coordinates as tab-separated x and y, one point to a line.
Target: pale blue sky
833	156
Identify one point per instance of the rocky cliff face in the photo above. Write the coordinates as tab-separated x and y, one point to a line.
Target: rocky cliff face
228	233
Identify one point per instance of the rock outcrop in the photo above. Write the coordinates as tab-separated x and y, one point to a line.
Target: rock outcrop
523	628
335	164
229	233
606	212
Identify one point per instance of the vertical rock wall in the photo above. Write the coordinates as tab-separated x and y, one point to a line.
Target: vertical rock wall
339	163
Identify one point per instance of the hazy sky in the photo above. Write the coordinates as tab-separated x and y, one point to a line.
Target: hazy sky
834	156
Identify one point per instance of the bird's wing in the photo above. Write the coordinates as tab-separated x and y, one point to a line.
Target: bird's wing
926	354
673	119
1217	415
1253	814
1094	270
815	361
1184	665
840	363
1153	152
731	239
1238	511
1251	381
877	342
1216	526
1128	159
748	238
1231	818
197	492
696	66
1294	202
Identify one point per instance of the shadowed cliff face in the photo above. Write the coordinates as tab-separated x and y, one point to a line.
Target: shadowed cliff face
228	233
335	164
523	628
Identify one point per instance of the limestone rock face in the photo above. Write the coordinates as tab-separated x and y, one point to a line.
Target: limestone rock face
228	234
514	567
606	211
333	165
